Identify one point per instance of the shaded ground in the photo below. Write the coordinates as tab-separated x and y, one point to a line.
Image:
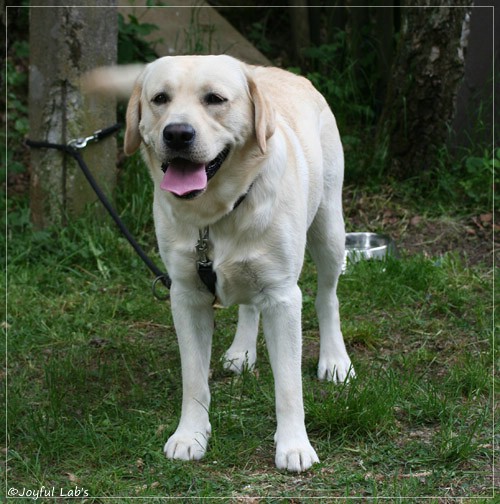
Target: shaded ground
472	237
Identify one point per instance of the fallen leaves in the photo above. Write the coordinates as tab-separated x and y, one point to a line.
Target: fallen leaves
72	477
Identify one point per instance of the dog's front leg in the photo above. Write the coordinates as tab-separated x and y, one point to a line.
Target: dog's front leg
194	326
282	329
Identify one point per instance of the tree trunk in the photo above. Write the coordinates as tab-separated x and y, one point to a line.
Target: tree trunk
384	42
299	19
65	42
420	102
359	21
315	26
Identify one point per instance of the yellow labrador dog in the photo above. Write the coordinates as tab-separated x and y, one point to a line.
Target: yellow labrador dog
247	166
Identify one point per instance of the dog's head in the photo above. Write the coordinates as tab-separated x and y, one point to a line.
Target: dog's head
191	113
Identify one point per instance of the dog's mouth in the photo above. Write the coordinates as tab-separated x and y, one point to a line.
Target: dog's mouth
187	179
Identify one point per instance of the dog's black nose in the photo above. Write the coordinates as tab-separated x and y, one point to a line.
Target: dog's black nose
178	136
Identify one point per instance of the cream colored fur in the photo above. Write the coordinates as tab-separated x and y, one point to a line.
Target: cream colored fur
285	150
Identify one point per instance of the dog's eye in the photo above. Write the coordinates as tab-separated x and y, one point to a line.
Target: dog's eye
160	99
214	99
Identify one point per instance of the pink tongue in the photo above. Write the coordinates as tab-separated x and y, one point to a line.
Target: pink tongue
183	177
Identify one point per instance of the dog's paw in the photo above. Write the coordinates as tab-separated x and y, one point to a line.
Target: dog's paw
237	362
295	457
186	445
336	370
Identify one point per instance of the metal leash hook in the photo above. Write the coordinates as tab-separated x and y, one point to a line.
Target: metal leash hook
165	280
81	143
204	264
202	248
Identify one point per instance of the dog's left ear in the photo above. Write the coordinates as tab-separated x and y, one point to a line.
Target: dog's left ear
264	116
132	134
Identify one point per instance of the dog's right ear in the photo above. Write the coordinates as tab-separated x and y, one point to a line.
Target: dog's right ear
132	134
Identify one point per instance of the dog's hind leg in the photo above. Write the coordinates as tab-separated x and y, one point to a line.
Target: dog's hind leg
326	243
242	354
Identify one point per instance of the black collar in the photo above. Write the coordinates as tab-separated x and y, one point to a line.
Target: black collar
239	201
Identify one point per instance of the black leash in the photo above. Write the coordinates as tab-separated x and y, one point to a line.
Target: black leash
72	148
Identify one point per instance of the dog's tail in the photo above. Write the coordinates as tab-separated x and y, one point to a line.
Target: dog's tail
112	80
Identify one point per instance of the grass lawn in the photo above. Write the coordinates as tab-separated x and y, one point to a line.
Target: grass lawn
93	378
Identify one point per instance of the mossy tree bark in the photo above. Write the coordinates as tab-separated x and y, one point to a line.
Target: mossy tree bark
65	42
426	72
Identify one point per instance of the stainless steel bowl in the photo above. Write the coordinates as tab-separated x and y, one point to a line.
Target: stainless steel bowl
360	246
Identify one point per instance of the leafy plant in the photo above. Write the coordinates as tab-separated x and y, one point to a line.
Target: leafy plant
334	76
258	36
481	177
198	37
17	109
132	47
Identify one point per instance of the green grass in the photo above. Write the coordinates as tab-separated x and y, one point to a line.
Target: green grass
94	377
93	372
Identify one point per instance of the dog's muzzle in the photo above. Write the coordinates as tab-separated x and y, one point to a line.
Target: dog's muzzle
187	179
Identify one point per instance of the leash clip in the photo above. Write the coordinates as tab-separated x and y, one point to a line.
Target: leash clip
81	143
202	249
204	264
165	280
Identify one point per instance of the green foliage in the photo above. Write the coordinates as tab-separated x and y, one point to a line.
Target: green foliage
17	109
135	197
258	36
480	177
132	47
198	36
336	76
462	182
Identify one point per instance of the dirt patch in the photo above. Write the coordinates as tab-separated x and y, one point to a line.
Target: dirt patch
472	237
468	237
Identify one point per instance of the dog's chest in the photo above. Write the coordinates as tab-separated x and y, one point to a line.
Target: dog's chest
245	267
240	278
250	262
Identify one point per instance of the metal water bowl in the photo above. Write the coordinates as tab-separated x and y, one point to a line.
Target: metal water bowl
359	246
